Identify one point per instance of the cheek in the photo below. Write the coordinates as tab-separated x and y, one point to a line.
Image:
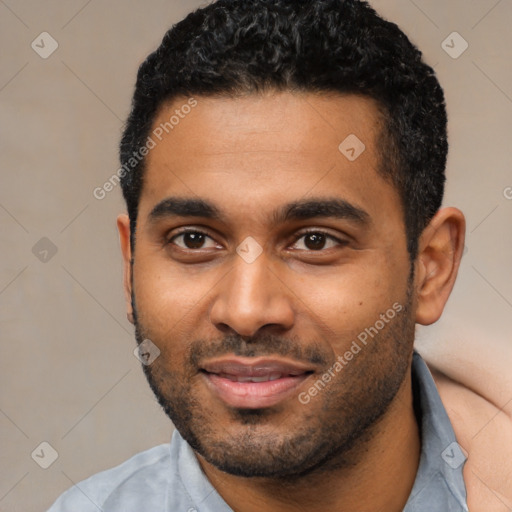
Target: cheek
350	300
170	299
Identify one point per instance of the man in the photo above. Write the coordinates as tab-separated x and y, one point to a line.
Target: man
283	169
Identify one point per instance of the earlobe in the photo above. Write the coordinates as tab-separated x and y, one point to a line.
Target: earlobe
440	251
123	226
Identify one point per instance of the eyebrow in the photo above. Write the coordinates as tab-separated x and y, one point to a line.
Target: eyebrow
336	208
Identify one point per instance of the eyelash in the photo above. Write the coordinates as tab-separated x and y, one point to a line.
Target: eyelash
299	236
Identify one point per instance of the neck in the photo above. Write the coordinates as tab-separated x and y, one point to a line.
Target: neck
381	478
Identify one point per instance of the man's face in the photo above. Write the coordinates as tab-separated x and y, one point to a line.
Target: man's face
304	262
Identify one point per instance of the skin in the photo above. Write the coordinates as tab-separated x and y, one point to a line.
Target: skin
248	156
482	421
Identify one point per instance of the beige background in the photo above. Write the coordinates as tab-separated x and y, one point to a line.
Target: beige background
68	374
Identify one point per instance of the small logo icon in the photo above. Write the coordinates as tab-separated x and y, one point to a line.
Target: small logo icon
45	455
44	45
352	147
44	250
454	45
507	193
146	352
454	455
249	250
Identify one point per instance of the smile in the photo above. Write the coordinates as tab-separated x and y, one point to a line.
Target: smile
254	383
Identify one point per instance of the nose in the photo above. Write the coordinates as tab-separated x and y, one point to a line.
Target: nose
252	297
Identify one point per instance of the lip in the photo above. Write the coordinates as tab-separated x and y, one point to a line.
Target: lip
231	380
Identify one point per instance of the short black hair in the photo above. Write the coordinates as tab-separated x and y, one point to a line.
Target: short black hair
239	47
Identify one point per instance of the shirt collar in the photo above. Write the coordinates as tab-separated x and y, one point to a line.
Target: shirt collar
439	483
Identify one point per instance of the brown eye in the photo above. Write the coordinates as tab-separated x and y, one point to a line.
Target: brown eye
317	240
193	240
190	240
314	241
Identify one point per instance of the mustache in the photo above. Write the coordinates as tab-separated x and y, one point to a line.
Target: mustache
263	345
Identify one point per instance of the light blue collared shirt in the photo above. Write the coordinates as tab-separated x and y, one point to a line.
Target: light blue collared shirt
168	478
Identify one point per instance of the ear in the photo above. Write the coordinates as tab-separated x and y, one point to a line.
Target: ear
123	226
439	253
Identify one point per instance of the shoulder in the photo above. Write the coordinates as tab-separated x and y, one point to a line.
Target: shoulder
96	491
483	429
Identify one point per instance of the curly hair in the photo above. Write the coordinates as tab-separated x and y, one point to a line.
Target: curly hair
238	47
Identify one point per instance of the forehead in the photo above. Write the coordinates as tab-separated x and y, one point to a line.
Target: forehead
265	148
274	121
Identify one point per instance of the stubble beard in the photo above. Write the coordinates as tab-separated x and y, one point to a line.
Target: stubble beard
331	431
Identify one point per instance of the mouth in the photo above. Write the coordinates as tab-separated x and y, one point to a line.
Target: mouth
254	383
